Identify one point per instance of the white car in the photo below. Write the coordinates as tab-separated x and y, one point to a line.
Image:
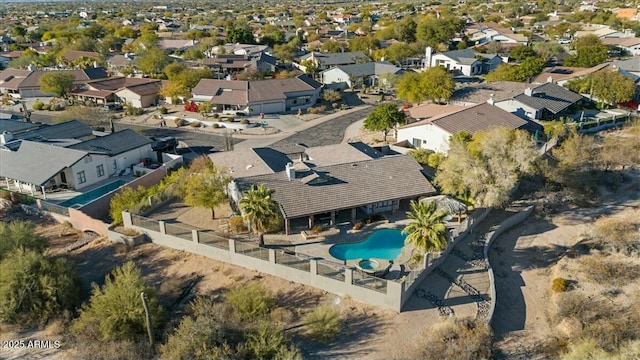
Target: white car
564	41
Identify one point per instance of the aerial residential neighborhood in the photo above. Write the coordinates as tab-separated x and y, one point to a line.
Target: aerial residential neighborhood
335	180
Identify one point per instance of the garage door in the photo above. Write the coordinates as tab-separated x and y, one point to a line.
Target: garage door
269	108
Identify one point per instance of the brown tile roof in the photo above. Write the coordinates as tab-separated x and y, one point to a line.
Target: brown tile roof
561	73
243	92
72	55
116	83
149	88
341	153
479	93
474	118
345	186
426	111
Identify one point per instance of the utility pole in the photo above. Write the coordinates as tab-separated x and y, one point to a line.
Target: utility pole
147	317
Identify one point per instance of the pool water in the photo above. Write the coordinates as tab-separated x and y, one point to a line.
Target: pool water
384	244
92	195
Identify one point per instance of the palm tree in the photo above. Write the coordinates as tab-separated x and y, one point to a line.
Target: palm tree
258	208
426	231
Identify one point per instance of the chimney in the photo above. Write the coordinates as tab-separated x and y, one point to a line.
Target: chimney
427	57
491	100
31	67
528	91
291	171
5	137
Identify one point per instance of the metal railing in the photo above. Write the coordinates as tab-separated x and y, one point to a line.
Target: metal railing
209	237
369	282
54	208
330	270
181	231
143	222
293	260
253	250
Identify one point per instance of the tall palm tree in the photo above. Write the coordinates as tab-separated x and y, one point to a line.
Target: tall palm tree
426	231
258	208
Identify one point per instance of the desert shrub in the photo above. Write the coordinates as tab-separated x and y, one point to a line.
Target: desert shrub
358	225
35	288
115	310
331	96
249	301
459	339
19	235
130	232
237	225
267	341
46	107
603	270
215	125
163	110
317	229
200	334
335	106
179	122
618	234
282	315
321	109
231	119
195	124
56	107
110	350
244	121
216	115
421	155
38	105
559	285
585	349
274	224
323	323
125	199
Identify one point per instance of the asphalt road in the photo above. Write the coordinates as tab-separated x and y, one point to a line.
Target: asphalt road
326	133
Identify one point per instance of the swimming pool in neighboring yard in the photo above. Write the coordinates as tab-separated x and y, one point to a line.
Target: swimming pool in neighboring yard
384	244
89	196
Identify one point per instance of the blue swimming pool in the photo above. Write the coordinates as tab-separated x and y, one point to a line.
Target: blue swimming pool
382	244
89	196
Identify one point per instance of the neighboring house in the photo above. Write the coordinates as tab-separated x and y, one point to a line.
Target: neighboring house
602	32
433	133
139	92
66	155
261	96
562	74
483	33
238	49
7	56
628	46
118	62
71	56
476	93
26	83
233	64
466	62
332	183
176	44
542	102
325	61
349	76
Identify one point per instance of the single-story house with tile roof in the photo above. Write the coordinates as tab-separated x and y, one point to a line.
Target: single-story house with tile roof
66	155
332	182
231	64
70	56
476	93
26	83
466	62
349	76
7	56
325	61
562	74
139	92
261	96
628	45
542	102
434	133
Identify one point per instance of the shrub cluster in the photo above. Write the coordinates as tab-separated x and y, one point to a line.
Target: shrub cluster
317	109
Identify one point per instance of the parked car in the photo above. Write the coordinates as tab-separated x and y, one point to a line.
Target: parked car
165	143
112	107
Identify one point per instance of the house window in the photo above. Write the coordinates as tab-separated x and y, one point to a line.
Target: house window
100	170
81	177
115	164
416	143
